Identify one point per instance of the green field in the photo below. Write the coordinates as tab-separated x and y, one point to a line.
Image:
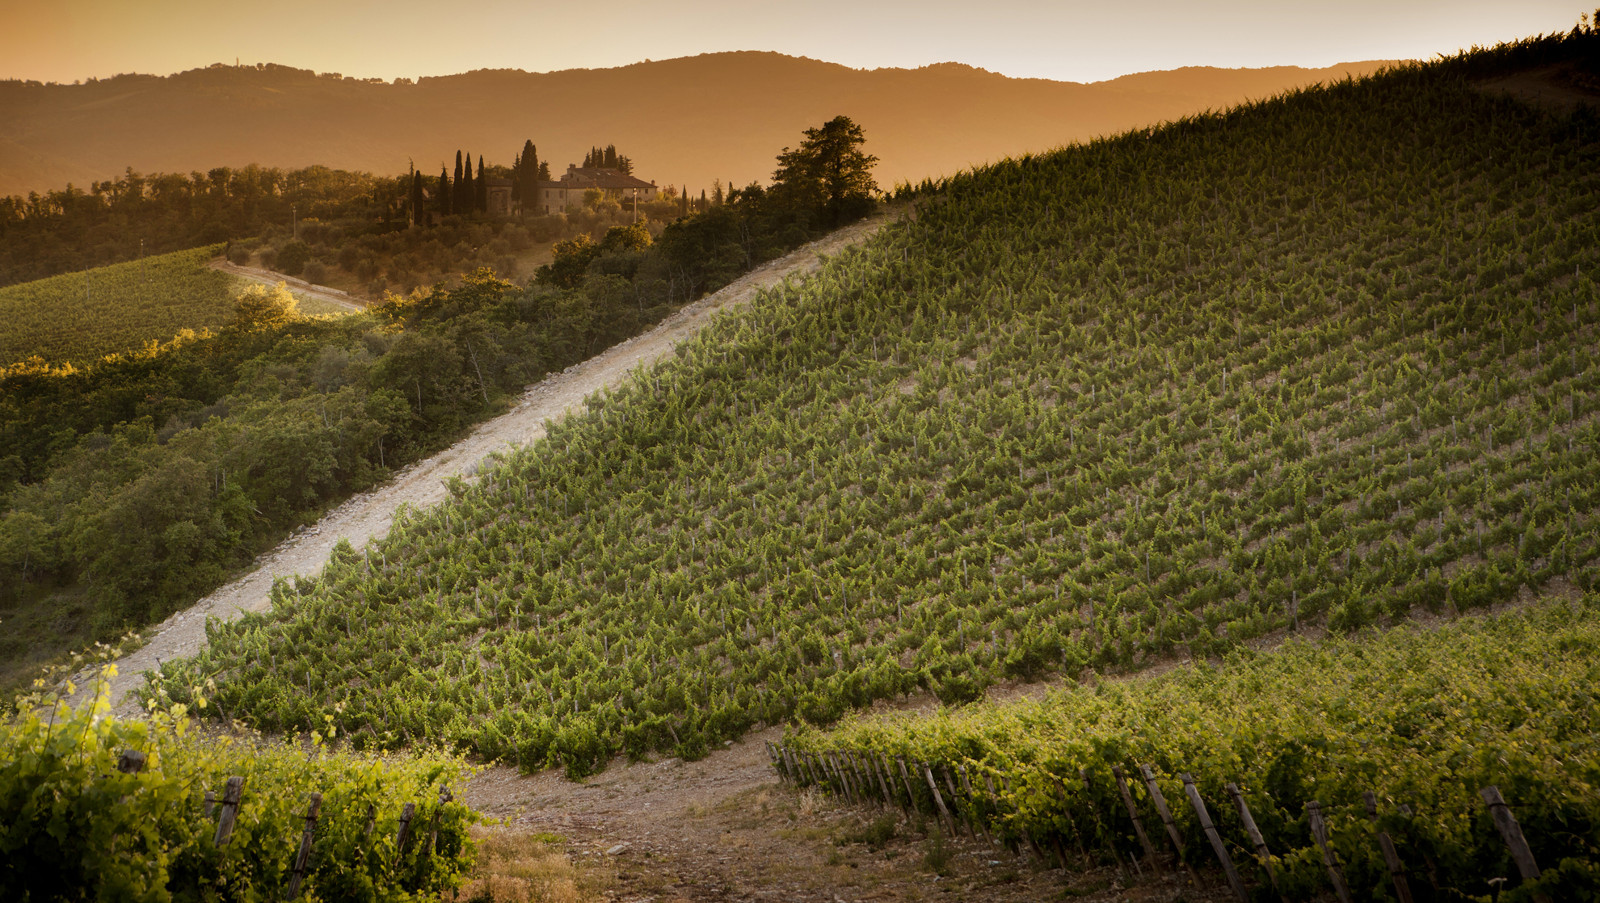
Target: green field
1329	359
79	317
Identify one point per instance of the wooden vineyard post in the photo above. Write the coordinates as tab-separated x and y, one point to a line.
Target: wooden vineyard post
956	803
210	802
851	777
1256	840
884	783
938	800
302	856
1319	831
232	793
1100	830
841	763
911	790
400	838
988	782
433	827
1076	834
1206	825
1166	818
1511	832
1391	857
839	778
131	762
1133	813
972	802
1033	842
904	783
860	764
372	821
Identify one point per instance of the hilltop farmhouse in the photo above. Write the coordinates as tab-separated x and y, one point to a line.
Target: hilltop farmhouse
569	190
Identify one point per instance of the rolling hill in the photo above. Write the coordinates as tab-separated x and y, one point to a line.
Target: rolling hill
1323	360
685	121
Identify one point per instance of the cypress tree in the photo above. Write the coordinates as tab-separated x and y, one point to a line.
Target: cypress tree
528	176
483	188
416	197
443	200
458	201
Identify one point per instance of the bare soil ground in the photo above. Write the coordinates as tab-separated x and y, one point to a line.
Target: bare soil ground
368	516
724	828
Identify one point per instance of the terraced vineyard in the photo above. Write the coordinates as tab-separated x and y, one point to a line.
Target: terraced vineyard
79	317
1327	359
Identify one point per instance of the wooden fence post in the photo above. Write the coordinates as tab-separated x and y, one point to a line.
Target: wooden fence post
1011	844
1167	820
894	786
972	798
889	798
1100	825
911	790
964	809
1391	857
232	793
1133	813
1206	825
844	777
860	774
210	802
302	857
1256	840
1319	831
406	814
433	828
937	799
1511	832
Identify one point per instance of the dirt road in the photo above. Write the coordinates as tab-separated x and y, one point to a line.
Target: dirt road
725	829
333	296
369	515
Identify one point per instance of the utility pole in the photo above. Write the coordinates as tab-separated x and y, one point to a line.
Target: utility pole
294	221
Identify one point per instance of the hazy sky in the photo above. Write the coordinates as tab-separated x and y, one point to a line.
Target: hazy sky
63	40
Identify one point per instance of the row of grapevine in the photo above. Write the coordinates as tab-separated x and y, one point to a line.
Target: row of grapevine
94	807
1396	734
1328	359
79	317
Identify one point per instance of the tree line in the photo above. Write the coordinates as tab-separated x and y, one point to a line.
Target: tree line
133	485
140	214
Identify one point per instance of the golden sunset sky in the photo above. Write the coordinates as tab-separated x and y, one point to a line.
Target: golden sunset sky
64	40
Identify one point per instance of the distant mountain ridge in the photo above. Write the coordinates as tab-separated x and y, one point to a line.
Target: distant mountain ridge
685	121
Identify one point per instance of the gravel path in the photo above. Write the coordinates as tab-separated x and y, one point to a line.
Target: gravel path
367	516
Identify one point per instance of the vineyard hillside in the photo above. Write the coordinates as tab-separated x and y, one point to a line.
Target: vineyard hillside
79	317
1326	360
